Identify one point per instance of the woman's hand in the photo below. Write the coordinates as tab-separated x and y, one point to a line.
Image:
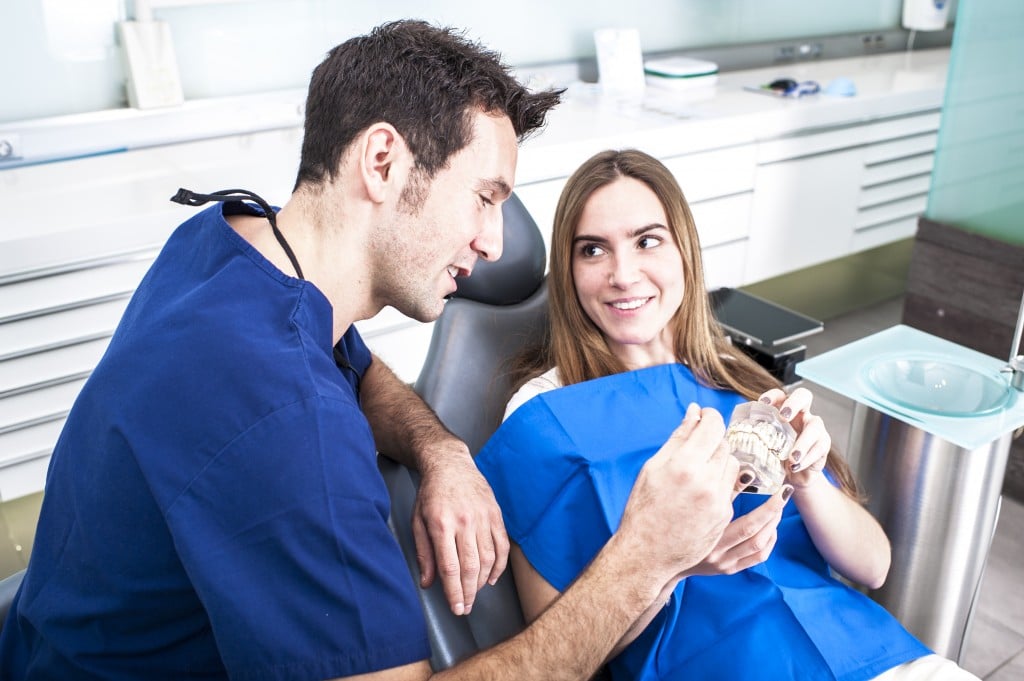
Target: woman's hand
747	541
810	451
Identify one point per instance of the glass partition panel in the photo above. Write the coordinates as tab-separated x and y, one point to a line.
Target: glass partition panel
978	179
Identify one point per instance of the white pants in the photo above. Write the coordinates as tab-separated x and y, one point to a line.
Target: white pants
927	668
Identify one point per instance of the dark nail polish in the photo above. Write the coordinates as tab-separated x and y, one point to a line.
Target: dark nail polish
794	467
766	399
746	477
796	456
787	492
785	412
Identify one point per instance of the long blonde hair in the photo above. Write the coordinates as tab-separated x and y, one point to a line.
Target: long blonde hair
577	346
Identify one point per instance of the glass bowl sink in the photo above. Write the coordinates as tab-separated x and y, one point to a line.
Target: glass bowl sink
936	385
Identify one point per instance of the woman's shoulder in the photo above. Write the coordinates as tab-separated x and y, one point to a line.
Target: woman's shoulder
549	380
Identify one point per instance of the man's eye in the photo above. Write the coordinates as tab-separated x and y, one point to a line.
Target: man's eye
486	200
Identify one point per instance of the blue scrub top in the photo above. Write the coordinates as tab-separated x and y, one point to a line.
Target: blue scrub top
213	507
562	467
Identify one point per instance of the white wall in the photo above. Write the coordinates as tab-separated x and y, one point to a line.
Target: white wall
60	56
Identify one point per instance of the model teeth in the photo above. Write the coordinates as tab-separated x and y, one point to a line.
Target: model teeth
453	270
760	444
630	305
757	437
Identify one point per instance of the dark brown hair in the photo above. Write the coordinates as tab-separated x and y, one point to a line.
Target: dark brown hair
424	80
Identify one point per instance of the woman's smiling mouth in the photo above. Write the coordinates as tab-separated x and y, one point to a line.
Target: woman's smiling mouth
631	304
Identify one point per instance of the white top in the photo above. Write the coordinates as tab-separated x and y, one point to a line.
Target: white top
549	380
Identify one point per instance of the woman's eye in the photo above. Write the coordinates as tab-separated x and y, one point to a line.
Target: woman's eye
648	241
590	250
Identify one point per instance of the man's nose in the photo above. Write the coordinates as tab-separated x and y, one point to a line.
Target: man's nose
490	241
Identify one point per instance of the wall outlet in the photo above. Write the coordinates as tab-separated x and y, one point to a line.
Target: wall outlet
801	51
10	147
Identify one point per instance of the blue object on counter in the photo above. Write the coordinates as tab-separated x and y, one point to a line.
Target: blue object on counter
786	87
840	87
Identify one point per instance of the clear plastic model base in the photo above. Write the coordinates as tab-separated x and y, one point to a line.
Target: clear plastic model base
759	438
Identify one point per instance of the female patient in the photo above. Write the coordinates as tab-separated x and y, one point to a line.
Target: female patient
632	343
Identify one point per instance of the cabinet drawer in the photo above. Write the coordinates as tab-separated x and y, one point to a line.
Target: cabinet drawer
34	406
715	173
901	148
28	443
884	233
894	191
724	264
889	212
23	477
58	291
903	126
898	170
52	366
56	329
800	146
722	220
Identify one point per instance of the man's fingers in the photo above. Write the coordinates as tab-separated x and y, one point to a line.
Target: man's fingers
424	551
690	420
467	570
448	571
487	557
702	429
501	545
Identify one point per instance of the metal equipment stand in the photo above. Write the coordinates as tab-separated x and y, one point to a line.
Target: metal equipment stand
940	541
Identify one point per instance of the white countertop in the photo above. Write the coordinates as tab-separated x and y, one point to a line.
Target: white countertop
668	123
719	115
122	165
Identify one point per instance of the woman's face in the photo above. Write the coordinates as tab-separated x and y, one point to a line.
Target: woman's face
628	271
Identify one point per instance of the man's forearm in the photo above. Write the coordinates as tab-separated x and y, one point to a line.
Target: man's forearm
403	424
573	637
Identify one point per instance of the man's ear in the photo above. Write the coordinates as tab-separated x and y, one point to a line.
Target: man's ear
382	161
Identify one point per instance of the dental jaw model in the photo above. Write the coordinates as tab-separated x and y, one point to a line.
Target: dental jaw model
761	440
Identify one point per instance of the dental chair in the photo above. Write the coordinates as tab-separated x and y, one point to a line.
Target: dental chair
494	313
8	588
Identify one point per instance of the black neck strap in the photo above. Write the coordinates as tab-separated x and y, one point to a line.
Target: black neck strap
189	198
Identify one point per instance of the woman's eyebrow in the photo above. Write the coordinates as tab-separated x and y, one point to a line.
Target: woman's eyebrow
654	226
644	229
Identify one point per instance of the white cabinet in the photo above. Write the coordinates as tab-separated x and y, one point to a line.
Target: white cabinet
803	211
825	195
895	181
55	325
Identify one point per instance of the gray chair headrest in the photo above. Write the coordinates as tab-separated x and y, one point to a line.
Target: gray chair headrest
520	270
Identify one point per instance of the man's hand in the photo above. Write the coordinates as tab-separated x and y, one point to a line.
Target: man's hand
681	502
458	528
456	522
